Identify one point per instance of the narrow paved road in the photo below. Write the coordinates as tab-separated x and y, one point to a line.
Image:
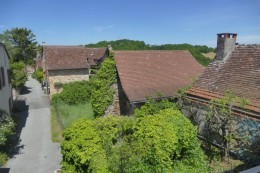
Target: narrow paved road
35	152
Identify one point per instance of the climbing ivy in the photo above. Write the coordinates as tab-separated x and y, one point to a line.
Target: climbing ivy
102	93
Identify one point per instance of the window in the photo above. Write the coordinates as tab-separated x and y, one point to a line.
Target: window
3	75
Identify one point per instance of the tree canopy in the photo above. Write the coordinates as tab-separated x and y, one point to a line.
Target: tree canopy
21	44
125	44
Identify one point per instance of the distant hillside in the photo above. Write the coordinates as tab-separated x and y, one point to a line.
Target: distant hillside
196	51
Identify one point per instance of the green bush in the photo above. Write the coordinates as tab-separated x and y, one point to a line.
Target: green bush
163	142
74	93
6	127
18	74
39	74
82	149
102	93
3	159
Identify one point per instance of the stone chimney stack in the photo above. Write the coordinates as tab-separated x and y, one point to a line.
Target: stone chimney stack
225	44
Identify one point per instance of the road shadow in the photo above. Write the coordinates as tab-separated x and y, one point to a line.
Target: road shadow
20	114
26	90
4	170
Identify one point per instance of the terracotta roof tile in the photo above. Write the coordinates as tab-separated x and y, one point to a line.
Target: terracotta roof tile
71	57
147	73
240	73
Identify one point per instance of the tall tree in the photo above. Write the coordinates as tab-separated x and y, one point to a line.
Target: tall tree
21	42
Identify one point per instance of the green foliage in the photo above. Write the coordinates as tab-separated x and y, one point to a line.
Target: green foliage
163	142
21	43
18	74
167	140
196	50
58	84
102	93
3	158
38	75
121	45
6	127
222	122
152	107
82	149
74	93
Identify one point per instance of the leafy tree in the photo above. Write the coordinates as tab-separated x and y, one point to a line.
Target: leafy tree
125	44
21	43
163	142
18	74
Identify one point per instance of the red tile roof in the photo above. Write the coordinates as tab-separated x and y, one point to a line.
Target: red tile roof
240	73
71	57
147	73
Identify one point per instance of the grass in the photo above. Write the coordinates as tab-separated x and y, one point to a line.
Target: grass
63	115
56	130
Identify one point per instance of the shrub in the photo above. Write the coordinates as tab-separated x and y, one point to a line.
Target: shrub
163	142
3	159
18	74
39	75
74	93
6	127
82	149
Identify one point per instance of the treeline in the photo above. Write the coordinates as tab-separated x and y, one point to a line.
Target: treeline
125	44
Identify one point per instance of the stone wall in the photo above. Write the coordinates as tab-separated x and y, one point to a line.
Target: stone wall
245	127
65	76
114	108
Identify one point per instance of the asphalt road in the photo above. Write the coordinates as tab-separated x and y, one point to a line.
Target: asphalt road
34	152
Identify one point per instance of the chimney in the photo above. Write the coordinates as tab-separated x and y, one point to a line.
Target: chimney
225	44
109	47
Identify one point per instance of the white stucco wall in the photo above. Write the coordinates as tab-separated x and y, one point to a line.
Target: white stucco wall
6	91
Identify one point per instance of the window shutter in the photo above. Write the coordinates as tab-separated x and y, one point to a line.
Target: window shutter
3	75
1	83
9	76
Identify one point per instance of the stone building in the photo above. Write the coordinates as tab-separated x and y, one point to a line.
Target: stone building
64	64
143	74
6	100
235	68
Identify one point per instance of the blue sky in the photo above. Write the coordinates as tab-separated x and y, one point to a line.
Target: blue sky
74	22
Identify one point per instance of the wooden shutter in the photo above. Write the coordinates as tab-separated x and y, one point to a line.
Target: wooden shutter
9	76
3	75
1	83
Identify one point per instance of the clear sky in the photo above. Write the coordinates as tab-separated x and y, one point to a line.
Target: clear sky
74	22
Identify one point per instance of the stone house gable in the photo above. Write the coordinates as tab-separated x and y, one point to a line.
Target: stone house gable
66	64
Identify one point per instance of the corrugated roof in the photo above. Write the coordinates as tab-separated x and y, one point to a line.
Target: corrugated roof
147	73
71	57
